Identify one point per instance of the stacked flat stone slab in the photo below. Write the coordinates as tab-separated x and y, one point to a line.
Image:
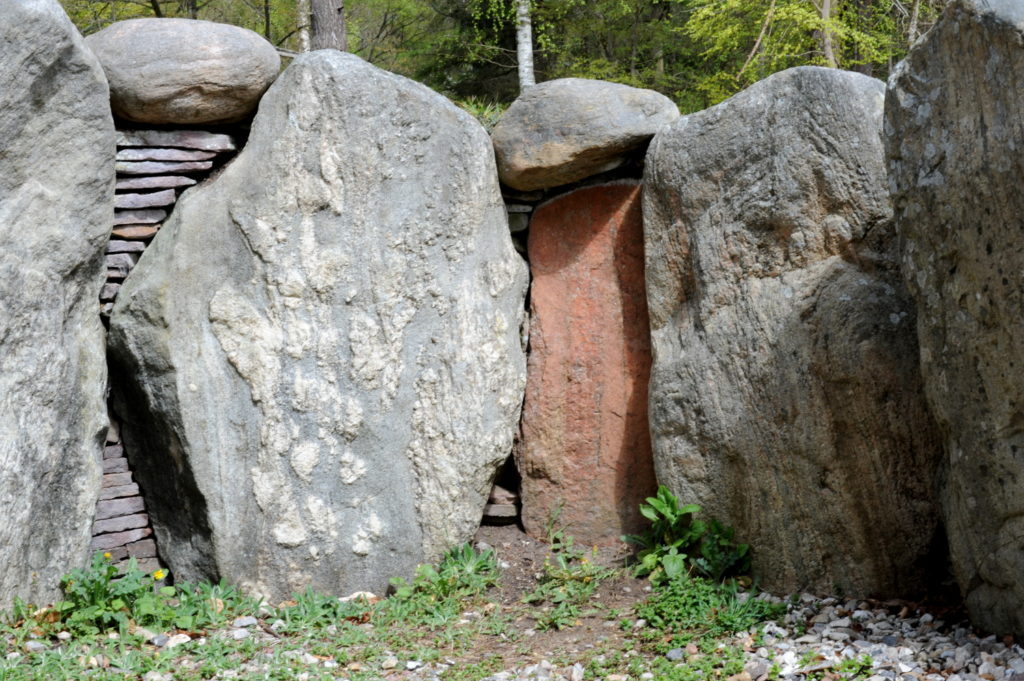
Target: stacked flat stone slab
121	526
153	168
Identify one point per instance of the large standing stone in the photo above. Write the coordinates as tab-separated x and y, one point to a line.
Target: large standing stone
585	450
56	206
785	393
955	130
568	129
322	346
183	71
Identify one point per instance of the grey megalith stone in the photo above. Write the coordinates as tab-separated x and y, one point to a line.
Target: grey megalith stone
323	344
785	396
955	130
56	208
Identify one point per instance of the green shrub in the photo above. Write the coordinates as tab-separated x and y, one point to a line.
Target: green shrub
677	543
96	600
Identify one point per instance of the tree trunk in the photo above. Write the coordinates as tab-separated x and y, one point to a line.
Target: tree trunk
826	34
524	44
915	12
303	11
190	8
266	21
329	25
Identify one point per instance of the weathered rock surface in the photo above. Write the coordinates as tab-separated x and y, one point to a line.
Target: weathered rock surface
585	446
326	340
56	203
183	71
785	393
955	127
564	130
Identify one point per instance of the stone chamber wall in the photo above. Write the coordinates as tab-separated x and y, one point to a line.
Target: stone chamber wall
798	309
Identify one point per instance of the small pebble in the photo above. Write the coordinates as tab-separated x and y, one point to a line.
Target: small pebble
247	621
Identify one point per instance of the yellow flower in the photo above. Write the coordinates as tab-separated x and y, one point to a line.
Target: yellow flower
159	574
107	555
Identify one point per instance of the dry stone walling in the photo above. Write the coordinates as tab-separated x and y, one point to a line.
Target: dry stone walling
323	343
56	203
955	129
785	393
153	167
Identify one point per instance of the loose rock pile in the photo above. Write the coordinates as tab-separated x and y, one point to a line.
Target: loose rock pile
819	635
153	168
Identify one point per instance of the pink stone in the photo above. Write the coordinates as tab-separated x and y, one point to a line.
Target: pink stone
116	479
585	444
119	465
131	490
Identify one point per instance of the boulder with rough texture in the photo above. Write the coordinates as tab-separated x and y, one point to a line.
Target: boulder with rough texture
785	394
564	130
56	205
585	449
955	128
321	349
183	71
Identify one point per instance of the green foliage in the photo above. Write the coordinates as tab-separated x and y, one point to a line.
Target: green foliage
487	112
698	52
570	578
701	607
463	573
677	543
96	600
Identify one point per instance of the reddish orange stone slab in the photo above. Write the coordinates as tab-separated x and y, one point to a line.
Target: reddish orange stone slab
585	444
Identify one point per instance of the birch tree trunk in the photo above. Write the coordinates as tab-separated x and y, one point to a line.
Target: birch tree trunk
303	10
524	44
329	25
826	34
912	29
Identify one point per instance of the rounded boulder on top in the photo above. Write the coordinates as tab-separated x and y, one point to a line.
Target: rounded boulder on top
184	71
